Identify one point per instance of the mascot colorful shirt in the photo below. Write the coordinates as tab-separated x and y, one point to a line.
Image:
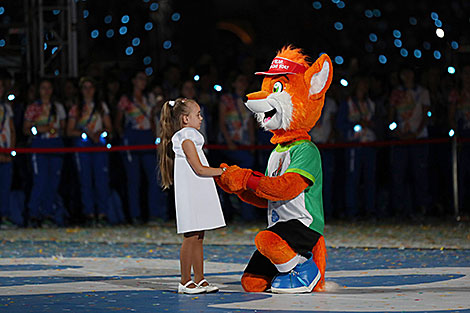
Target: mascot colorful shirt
291	253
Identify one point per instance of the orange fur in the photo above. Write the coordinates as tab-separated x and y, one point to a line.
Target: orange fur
284	187
255	283
319	257
272	246
250	197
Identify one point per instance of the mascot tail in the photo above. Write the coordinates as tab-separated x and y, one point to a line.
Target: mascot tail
319	257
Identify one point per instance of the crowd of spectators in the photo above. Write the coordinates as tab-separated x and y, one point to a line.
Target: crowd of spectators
121	107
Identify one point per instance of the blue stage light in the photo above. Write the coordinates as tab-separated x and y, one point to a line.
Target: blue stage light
129	50
34	130
148	26
175	17
397	43
108	19
382	59
437	55
404	52
136	41
339	60
125	19
154	6
218	88
396	33
317	5
196	78
147	60
339	26
95	33
123	30
344	82
392	126
413	21
451	70
109	33
373	37
454	45
417	53
167	44
149	71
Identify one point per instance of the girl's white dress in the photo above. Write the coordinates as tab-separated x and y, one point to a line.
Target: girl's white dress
197	202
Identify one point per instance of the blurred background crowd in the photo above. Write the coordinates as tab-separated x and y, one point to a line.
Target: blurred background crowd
395	84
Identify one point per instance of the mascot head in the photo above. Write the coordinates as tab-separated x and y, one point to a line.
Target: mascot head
292	95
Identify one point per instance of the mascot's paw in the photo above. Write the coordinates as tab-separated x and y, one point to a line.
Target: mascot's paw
235	178
223	186
303	278
255	283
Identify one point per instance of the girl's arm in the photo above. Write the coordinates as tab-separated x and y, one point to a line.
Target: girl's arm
71	131
118	122
193	158
27	125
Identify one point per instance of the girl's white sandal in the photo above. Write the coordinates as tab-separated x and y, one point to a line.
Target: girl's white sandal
209	288
184	288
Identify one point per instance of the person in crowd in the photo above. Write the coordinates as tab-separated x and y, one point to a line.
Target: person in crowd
237	127
379	93
324	132
112	94
188	90
44	122
7	140
208	97
90	125
183	163
137	110
70	94
172	81
409	104
440	183
459	117
356	123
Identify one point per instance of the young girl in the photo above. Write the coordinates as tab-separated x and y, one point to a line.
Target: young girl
197	203
44	121
138	110
90	125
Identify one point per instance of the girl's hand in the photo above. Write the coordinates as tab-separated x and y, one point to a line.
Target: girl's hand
95	137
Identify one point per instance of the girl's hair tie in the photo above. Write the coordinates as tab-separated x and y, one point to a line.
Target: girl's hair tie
171	103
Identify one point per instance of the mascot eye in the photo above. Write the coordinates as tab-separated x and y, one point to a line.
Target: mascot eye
278	87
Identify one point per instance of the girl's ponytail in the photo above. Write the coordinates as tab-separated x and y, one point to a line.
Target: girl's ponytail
170	122
165	150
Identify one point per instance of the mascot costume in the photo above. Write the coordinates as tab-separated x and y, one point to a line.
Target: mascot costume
291	252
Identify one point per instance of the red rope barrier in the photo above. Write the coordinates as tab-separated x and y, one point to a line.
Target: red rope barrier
224	147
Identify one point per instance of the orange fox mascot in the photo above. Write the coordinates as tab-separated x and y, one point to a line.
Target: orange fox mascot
291	252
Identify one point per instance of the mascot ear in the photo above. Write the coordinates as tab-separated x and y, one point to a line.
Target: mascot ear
319	76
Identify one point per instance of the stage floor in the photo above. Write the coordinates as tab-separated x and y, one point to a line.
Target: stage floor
41	274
